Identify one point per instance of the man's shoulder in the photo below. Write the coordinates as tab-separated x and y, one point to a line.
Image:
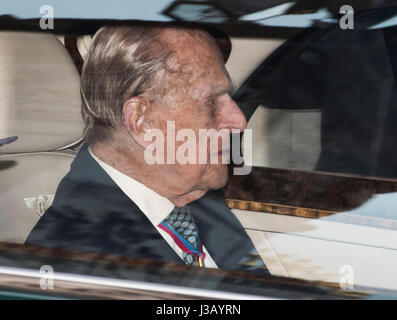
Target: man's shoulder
86	203
86	186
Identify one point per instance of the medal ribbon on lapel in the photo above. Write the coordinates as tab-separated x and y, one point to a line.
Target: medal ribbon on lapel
182	242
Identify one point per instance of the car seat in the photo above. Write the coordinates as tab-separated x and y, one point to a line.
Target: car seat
40	105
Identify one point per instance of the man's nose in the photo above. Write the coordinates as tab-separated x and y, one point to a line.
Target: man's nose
231	116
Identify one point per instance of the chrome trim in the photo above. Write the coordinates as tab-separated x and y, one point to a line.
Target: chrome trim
130	284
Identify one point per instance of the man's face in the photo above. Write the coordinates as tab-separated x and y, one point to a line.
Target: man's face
199	99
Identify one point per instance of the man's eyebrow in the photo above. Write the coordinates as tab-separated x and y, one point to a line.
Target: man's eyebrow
219	90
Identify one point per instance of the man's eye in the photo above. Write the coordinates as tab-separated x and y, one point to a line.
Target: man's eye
213	101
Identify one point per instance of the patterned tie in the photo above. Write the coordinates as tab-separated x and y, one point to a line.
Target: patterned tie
182	222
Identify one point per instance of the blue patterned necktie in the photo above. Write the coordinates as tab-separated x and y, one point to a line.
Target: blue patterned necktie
182	222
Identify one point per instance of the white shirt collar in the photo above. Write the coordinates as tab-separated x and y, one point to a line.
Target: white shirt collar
155	207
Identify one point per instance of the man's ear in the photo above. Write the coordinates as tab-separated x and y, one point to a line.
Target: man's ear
135	118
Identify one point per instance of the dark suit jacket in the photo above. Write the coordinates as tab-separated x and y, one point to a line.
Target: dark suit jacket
91	213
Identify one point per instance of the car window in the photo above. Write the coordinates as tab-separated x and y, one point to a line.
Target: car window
312	184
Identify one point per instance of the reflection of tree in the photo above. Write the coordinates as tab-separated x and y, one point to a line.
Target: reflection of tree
334	5
244	7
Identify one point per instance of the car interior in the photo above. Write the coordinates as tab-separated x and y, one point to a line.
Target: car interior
40	110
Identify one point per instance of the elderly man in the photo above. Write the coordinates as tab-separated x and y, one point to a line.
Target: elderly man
135	79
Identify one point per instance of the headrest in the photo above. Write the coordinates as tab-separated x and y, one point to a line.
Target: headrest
247	55
39	93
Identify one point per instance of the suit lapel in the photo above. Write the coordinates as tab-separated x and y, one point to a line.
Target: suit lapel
141	240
